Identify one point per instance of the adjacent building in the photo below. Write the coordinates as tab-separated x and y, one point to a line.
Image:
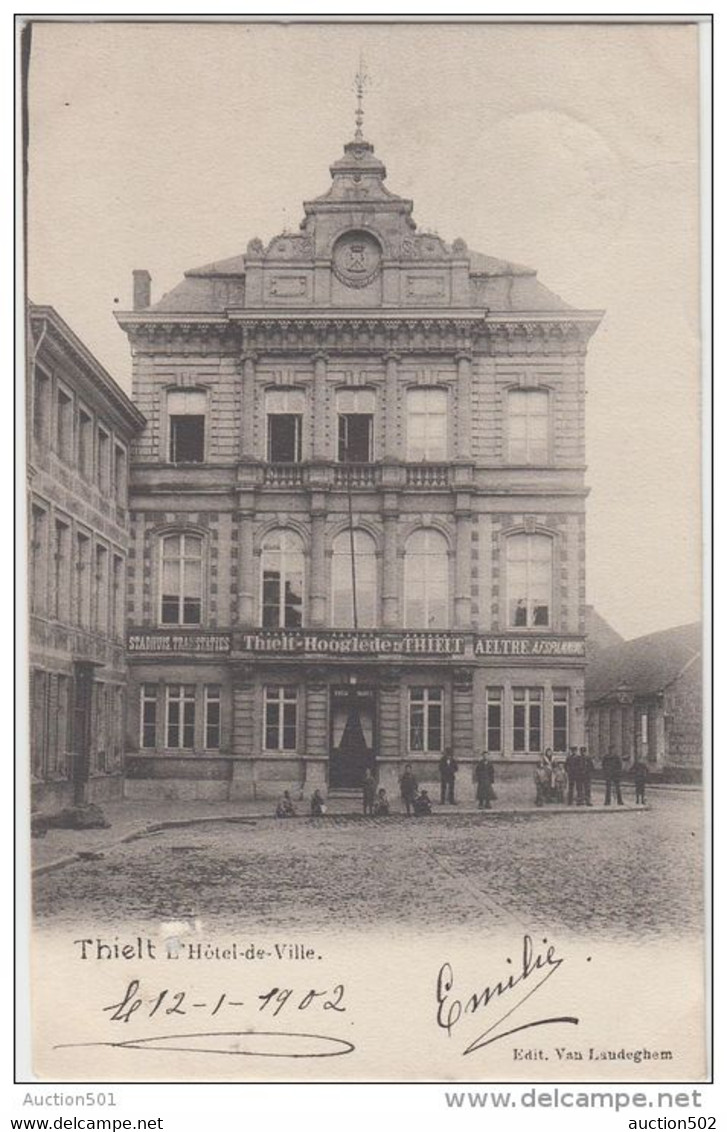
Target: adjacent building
644	700
599	634
357	508
80	427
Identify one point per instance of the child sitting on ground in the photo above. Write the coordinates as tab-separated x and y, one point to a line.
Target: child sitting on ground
285	807
422	804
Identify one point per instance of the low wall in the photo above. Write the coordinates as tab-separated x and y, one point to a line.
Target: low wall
230	778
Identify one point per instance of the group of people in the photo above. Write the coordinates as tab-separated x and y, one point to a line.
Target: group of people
416	801
570	779
557	780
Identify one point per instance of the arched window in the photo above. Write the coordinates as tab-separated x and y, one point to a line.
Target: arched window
426	581
426	432
282	580
527	426
364	557
181	588
529	580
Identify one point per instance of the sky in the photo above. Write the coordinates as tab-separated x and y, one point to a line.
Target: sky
570	148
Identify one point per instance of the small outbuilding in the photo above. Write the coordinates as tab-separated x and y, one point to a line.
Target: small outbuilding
644	699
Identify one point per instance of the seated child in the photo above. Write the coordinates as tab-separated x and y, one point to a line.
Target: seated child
422	804
285	807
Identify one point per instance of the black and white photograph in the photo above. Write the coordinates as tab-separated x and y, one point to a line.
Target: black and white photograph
367	637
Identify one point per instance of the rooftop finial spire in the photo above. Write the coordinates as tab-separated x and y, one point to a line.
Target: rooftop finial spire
360	83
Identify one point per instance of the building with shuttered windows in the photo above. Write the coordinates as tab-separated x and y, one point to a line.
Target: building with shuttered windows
357	507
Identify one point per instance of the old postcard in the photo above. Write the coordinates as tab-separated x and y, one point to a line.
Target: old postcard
365	633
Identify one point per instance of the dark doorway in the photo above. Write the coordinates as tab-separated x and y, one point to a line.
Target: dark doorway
353	729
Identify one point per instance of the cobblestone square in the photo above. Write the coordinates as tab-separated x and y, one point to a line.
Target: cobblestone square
620	874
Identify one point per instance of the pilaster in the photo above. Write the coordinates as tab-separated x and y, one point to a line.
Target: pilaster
464	406
247	409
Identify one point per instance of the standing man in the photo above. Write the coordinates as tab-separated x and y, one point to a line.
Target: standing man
571	770
612	774
447	770
369	793
484	777
588	768
640	775
408	787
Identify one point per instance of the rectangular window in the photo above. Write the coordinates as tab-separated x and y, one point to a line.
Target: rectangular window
284	438
103	452
281	719
187	440
41	406
181	589
82	601
425	719
426	434
38	559
187	416
120	474
644	728
493	701
62	571
527	426
64	425
527	710
355	438
85	443
149	715
529	580
101	590
212	717
560	719
180	717
117	596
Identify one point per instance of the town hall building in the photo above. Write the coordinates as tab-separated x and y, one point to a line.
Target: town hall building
357	509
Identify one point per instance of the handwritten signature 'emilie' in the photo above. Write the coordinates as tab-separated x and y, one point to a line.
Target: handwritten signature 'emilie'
533	970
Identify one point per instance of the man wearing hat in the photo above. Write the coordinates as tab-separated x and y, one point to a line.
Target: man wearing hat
447	770
612	773
484	777
574	770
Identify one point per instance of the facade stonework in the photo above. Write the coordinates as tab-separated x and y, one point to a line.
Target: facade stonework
357	508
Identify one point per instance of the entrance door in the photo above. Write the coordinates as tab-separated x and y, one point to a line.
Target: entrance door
353	724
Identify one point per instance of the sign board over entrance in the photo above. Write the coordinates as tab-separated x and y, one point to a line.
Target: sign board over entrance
365	643
303	642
